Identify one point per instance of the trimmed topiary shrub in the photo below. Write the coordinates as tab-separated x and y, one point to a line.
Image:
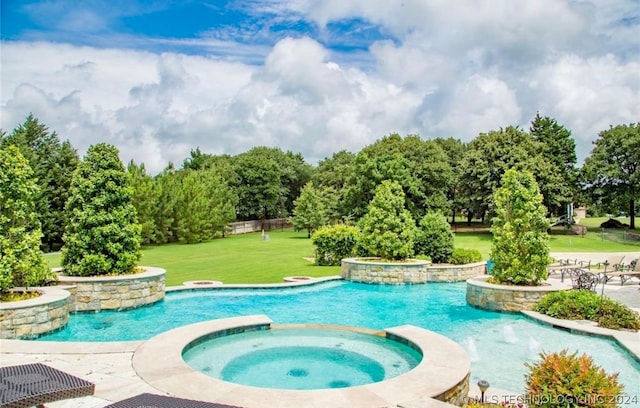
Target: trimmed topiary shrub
388	230
566	380
21	261
520	249
461	256
334	243
434	238
586	305
102	235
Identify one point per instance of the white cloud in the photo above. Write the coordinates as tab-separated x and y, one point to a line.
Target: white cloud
455	69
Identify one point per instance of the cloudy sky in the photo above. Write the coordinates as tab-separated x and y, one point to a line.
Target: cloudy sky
159	78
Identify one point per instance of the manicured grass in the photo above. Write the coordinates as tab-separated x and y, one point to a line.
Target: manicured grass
236	259
250	259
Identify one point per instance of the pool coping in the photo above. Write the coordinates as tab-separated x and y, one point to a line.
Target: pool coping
628	340
444	363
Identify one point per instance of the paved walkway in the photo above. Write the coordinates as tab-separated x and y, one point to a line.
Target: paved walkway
109	365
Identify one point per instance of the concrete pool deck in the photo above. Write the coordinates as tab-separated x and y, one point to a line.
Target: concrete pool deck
110	365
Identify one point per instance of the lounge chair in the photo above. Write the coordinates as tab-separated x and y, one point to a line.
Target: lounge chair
160	401
29	385
626	272
613	264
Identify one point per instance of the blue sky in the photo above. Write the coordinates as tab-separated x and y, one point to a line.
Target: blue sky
159	78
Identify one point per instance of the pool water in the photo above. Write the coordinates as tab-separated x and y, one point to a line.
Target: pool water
302	359
498	343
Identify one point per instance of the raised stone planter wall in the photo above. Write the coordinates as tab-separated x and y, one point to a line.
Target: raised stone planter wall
374	271
455	273
505	298
416	271
116	292
27	319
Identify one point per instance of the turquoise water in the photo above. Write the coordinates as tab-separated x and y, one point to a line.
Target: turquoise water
499	344
302	359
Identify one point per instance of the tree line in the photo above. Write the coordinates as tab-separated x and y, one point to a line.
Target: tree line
195	201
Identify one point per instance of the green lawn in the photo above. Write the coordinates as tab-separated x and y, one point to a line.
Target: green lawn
250	259
235	259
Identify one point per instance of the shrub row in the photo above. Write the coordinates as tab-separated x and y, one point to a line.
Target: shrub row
586	305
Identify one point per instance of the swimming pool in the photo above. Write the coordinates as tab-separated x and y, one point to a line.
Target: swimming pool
498	344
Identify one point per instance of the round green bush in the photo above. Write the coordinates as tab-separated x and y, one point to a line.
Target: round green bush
334	243
434	238
462	256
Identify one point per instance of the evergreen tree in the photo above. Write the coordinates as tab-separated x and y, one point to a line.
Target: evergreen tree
559	148
309	211
144	199
21	262
520	248
102	235
387	229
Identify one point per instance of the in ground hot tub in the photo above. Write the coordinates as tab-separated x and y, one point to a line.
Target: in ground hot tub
299	357
294	352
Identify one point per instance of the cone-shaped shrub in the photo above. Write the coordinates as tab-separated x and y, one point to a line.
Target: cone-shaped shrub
520	249
102	234
388	230
434	238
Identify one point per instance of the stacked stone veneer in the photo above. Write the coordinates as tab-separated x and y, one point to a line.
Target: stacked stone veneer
30	318
414	271
455	273
374	271
118	292
506	298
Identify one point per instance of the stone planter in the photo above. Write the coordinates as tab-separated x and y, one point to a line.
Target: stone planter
118	292
506	298
374	271
455	273
30	318
412	271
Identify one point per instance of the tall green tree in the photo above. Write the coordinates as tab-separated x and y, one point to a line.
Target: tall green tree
387	230
559	148
454	150
309	212
53	164
260	191
332	178
21	262
520	248
144	199
166	211
611	174
490	155
419	166
102	235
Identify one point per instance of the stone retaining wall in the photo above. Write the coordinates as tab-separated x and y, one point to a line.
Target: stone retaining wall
455	273
116	292
374	271
28	319
506	298
415	271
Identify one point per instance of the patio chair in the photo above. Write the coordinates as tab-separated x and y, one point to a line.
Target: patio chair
161	401
583	280
626	272
29	385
